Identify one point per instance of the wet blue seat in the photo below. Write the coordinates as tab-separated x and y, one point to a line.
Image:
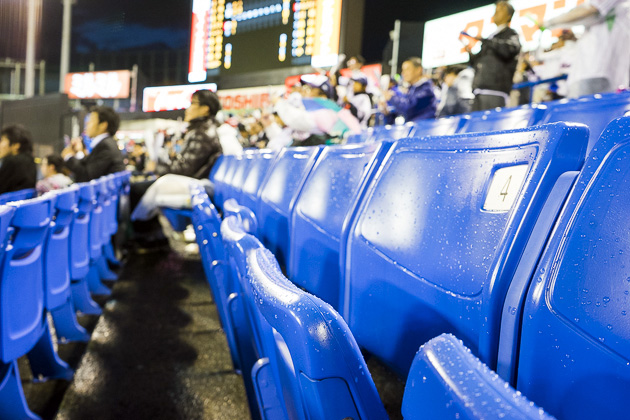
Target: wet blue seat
433	245
320	211
254	178
447	382
502	119
231	207
235	186
277	196
57	267
220	174
23	323
312	355
436	127
594	111
80	250
574	345
382	132
97	239
18	195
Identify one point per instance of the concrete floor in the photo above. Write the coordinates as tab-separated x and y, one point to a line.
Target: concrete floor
157	352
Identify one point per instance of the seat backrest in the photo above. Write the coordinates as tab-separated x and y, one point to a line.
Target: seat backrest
22	288
502	119
18	195
319	213
235	186
57	251
97	219
390	132
436	127
319	364
80	232
254	178
277	196
594	111
574	354
6	214
222	175
433	245
447	382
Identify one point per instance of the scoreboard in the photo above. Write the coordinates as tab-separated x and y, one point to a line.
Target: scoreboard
232	37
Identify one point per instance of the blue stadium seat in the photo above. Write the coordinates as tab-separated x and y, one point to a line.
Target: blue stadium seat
502	119
594	111
447	382
319	213
320	371
235	185
23	323
250	332
277	196
96	240
232	208
574	345
254	178
385	132
80	250
436	127
432	247
18	195
57	267
220	175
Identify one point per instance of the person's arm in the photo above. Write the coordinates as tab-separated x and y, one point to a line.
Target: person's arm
572	17
505	48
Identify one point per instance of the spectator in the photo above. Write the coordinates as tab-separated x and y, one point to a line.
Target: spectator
419	101
52	171
360	102
201	149
496	63
602	59
105	157
457	93
18	170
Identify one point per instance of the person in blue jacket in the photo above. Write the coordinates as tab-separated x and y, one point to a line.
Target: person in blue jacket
419	101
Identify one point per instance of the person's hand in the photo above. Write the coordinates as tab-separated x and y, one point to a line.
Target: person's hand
388	95
150	166
77	145
67	152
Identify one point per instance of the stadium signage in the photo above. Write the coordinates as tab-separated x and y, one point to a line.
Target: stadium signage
98	85
169	98
443	43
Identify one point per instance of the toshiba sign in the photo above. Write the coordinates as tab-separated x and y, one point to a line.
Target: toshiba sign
247	99
98	85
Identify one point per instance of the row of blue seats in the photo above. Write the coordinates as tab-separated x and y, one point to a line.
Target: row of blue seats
595	111
465	235
54	252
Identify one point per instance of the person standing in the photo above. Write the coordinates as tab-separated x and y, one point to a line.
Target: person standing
105	158
602	59
419	101
18	170
496	62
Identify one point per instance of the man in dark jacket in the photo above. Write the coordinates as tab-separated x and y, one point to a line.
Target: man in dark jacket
18	170
105	157
201	149
496	62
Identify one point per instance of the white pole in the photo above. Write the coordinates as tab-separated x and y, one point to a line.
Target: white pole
29	82
134	89
395	47
64	67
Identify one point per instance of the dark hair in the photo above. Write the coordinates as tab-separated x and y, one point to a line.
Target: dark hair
210	99
108	115
415	61
56	161
17	133
454	69
510	8
359	59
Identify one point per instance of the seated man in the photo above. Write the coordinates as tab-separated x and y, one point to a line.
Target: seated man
419	101
201	149
18	170
105	157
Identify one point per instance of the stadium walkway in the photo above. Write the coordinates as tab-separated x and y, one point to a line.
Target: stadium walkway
157	352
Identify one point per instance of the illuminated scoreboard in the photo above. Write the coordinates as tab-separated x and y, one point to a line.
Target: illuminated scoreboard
230	37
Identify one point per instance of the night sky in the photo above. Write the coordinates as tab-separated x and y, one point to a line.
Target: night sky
124	24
